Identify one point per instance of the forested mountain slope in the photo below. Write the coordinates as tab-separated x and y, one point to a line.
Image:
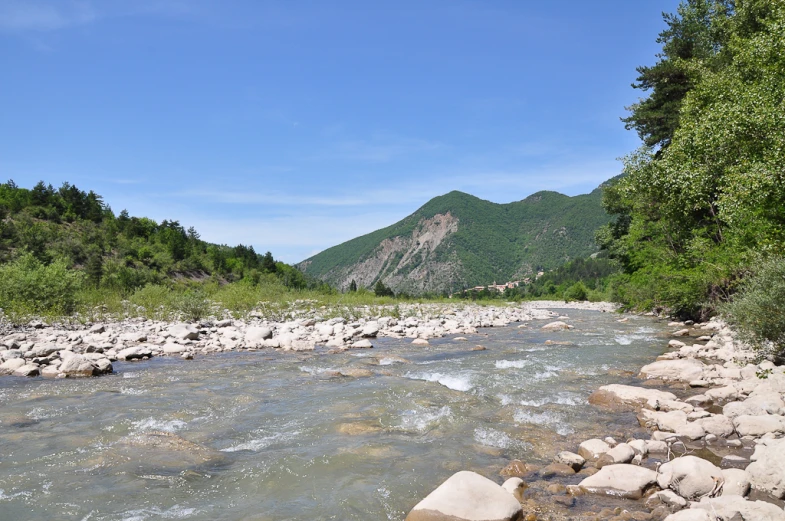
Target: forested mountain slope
457	240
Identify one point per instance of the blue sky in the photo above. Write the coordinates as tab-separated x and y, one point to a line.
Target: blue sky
296	125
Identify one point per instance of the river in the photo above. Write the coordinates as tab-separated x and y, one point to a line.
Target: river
272	436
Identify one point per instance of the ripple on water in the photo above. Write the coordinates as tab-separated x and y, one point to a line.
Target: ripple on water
175	512
257	444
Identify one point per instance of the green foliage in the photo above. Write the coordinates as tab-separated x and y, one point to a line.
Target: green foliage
577	291
690	217
352	286
758	309
29	286
380	290
695	32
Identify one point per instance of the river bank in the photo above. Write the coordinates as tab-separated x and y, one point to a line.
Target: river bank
76	350
715	448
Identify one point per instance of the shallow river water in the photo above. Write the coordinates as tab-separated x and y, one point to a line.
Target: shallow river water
273	436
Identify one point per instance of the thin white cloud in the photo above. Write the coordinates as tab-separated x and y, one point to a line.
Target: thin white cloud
380	149
26	15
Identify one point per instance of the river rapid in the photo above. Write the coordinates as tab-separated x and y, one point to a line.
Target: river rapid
271	436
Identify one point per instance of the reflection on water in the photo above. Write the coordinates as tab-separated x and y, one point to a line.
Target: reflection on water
268	436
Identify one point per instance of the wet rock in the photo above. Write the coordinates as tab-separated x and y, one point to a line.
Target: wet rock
616	396
370	330
362	344
683	370
690	477
682	332
515	468
467	496
419	342
767	470
356	372
515	486
570	459
359	428
556	326
556	469
163	452
593	449
629	481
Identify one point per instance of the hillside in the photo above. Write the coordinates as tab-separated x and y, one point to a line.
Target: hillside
457	240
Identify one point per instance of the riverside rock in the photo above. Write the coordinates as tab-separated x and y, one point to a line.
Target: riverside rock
736	507
593	449
683	370
621	453
767	470
759	425
467	496
737	482
184	332
691	477
629	481
616	396
570	459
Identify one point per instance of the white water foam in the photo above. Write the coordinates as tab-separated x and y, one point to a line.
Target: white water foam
257	444
389	361
151	424
421	419
501	440
512	364
456	383
132	375
547	418
175	512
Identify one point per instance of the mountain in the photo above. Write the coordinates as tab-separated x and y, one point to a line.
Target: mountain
457	240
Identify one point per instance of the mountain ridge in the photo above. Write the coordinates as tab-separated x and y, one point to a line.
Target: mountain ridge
458	240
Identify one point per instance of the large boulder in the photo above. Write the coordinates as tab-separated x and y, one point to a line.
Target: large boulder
621	453
672	421
593	449
77	366
691	477
737	482
556	326
684	370
736	507
9	366
255	336
767	470
759	425
470	497
43	350
571	460
758	405
134	352
184	332
629	481
617	396
716	424
27	370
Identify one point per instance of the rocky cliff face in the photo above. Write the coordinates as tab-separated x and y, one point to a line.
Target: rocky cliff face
409	263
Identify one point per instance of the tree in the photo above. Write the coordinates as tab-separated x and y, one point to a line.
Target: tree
268	263
352	286
380	290
695	32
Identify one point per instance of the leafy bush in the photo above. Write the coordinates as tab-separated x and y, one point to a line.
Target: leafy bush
29	286
758	310
193	304
577	291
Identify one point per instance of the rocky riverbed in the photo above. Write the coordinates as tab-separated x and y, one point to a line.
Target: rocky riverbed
710	444
715	450
57	351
